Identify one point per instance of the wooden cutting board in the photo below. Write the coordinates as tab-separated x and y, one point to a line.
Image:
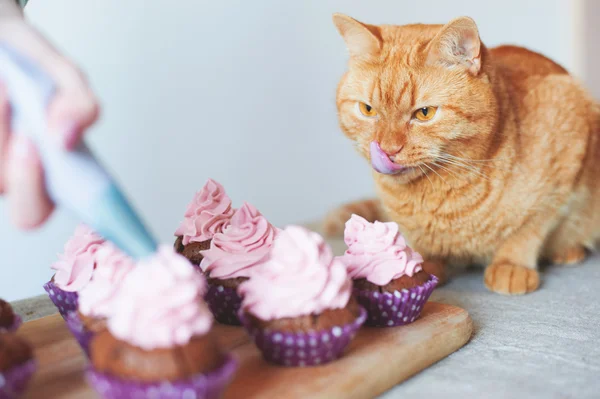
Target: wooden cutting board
378	359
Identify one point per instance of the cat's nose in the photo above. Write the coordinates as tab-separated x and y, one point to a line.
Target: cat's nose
392	151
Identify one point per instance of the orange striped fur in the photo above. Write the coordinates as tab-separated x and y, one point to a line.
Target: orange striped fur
508	170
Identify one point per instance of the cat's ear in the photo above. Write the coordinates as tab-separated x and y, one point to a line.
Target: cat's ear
457	43
362	40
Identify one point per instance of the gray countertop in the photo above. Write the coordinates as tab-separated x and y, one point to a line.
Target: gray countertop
34	308
541	345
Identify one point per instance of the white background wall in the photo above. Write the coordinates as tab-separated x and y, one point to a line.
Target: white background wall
241	91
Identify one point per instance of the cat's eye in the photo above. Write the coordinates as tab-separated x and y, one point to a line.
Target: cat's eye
425	114
367	110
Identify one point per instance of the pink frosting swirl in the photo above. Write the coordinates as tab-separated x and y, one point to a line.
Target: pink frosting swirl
378	252
300	277
76	264
244	243
160	303
98	297
207	214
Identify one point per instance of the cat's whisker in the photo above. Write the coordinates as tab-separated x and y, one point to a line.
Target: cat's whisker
475	172
476	160
488	163
470	160
447	170
455	174
479	167
433	170
427	176
457	163
468	168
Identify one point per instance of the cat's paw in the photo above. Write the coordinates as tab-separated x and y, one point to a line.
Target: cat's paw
509	279
570	257
438	269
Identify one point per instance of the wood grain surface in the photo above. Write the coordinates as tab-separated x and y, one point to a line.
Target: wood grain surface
378	359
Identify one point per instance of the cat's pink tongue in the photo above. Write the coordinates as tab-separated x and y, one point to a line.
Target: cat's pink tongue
382	163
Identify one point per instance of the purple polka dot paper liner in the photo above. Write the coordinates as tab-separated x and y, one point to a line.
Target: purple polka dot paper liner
14	381
302	349
387	309
66	302
14	326
224	303
81	334
202	386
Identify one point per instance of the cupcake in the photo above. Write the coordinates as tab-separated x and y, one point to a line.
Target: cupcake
232	257
297	306
97	299
9	320
388	276
74	269
159	342
16	365
207	214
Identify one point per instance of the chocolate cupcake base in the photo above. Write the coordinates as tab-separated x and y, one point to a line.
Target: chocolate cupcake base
17	321
66	302
402	307
192	251
224	303
14	381
301	349
202	386
79	331
9	320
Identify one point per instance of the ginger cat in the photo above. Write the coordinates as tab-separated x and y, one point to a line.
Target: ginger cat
481	155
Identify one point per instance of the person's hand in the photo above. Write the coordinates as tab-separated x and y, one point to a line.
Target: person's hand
73	109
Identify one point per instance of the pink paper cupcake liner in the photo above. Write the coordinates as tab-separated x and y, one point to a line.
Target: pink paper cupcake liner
81	334
202	386
14	381
395	309
224	303
303	349
14	326
64	301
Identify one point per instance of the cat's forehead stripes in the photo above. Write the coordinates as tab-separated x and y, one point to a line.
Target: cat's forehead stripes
406	45
394	88
398	72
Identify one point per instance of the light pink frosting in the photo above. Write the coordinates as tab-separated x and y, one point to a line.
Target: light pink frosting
244	243
206	215
76	264
160	303
378	252
97	299
300	277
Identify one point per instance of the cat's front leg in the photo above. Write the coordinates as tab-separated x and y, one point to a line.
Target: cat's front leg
513	270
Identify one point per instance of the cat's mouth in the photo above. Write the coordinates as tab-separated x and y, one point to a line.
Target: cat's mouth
382	163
